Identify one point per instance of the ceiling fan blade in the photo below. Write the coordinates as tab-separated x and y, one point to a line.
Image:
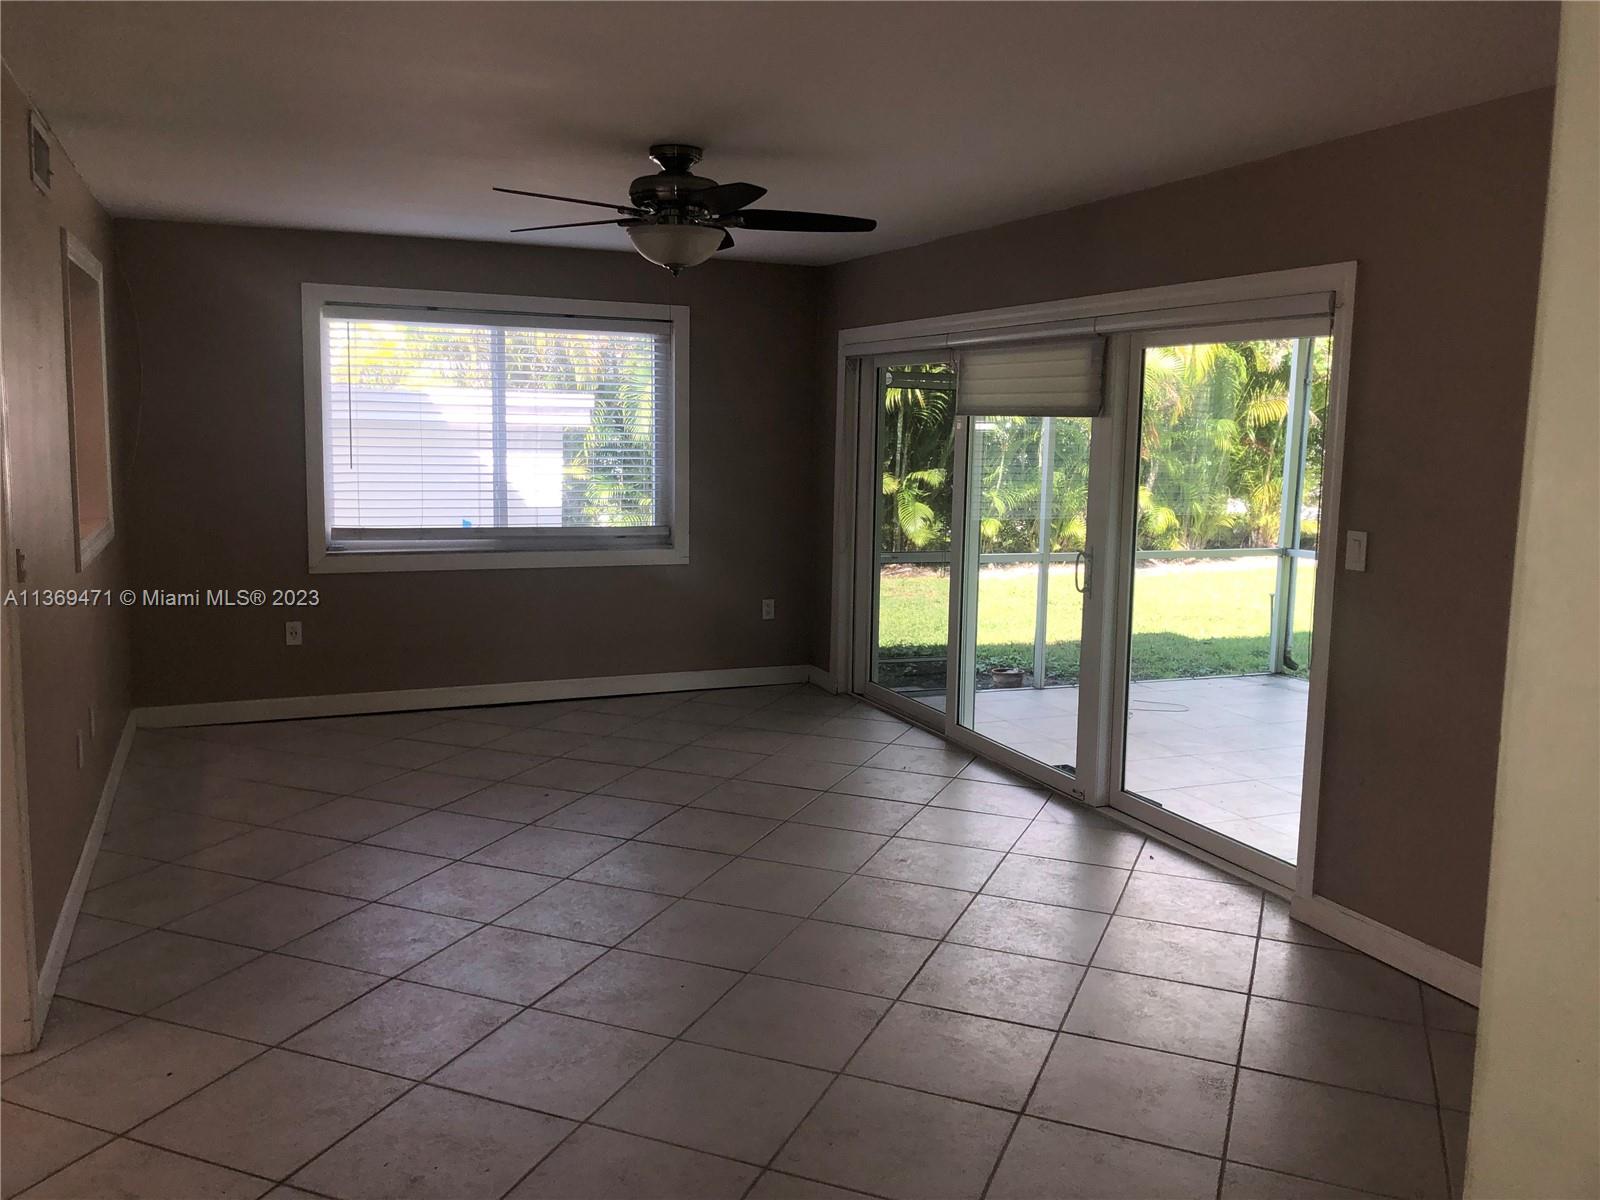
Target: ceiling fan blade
726	197
727	241
567	225
800	222
621	208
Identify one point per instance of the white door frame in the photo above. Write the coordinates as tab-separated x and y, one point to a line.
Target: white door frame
19	954
1089	765
1297	292
864	519
1130	416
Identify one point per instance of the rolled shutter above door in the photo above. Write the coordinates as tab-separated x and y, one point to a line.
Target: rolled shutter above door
1060	378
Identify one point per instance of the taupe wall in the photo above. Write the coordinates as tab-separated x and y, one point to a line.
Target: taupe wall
219	496
71	657
1444	217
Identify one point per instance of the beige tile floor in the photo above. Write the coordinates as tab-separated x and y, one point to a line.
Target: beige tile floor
755	943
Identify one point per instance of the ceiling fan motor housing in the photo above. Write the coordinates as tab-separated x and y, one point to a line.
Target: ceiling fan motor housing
676	184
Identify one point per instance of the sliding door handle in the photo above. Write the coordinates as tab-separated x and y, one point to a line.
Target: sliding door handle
1083	571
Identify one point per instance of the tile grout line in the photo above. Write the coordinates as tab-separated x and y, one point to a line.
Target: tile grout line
120	1137
128	1136
400	977
675	898
675	1039
521	1009
496	922
1005	1146
280	1045
667	1045
265	1048
1450	1182
282	951
369	902
1238	1060
893	1002
794	818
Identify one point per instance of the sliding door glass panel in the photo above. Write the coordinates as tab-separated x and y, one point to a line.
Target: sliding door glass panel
1305	540
1303	588
1220	602
1028	495
915	442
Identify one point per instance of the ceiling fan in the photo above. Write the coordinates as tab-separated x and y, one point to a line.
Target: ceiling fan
677	219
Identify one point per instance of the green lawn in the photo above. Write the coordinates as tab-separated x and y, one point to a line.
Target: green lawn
1207	618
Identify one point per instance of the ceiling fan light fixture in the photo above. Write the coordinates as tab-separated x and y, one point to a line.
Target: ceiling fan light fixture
677	219
675	245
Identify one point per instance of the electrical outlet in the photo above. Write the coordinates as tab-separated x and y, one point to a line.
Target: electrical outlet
1355	550
769	609
293	635
80	749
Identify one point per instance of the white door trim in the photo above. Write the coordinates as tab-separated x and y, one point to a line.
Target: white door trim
1330	555
20	1020
1250	859
1210	301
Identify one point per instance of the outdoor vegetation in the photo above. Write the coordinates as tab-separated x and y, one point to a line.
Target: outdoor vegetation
1211	461
1189	619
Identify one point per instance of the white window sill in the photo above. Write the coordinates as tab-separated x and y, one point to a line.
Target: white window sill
352	562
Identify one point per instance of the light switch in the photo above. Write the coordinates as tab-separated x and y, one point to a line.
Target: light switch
1355	550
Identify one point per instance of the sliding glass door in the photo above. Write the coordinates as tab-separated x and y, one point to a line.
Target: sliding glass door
910	476
1026	574
1094	560
1218	582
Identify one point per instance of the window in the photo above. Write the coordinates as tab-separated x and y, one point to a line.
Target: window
88	413
450	431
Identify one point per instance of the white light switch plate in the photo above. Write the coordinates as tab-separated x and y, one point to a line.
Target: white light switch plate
1355	550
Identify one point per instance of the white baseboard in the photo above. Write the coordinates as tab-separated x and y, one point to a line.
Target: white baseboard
1444	971
279	708
66	922
824	679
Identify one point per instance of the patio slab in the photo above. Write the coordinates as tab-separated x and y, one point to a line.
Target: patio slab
1225	752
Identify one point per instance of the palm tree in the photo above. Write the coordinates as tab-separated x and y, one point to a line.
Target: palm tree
1212	444
916	437
1187	436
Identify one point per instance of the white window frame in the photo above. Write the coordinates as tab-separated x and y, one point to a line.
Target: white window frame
324	559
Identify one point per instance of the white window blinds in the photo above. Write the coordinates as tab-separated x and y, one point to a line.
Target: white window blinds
507	428
1059	378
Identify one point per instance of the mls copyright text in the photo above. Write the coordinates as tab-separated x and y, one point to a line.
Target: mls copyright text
161	598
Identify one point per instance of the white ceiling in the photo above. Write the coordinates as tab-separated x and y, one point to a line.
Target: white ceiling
934	118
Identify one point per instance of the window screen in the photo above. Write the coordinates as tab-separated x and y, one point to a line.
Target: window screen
494	429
